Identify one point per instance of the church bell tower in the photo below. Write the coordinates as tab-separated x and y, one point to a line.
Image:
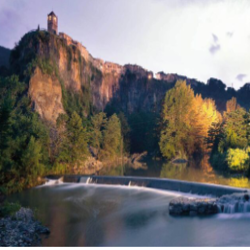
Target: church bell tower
52	23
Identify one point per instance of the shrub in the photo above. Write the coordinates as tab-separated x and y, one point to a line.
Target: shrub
9	209
237	159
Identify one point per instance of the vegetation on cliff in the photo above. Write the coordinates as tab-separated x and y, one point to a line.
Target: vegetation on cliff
24	139
31	147
188	125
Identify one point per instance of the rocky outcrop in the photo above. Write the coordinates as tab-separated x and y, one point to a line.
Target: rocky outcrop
46	93
21	230
191	207
234	203
129	88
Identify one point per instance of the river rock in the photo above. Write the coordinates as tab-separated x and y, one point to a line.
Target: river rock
21	229
185	206
234	203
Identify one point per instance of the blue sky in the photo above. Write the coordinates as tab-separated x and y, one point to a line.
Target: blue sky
196	38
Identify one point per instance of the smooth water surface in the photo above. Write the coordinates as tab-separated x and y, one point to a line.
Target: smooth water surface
96	215
197	171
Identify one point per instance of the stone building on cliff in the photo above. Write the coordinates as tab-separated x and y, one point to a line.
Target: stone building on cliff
103	66
52	23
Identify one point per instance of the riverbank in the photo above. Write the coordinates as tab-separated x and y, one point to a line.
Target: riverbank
21	229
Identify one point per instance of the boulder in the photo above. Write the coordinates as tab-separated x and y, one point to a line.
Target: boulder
234	203
191	207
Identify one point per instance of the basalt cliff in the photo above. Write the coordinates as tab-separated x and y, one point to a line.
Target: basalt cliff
61	72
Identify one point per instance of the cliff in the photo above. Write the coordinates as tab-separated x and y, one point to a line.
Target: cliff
62	73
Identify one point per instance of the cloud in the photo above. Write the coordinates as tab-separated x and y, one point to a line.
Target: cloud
240	77
215	38
186	3
215	47
230	34
10	19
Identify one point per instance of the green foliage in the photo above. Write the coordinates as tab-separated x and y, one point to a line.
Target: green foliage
125	130
229	140
235	129
98	123
21	63
247	123
79	102
32	158
73	150
216	137
143	132
112	139
176	121
218	160
9	209
24	139
237	159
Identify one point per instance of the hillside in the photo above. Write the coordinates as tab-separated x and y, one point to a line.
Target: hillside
63	73
64	111
4	56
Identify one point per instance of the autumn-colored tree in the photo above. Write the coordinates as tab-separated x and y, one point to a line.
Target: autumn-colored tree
232	105
186	119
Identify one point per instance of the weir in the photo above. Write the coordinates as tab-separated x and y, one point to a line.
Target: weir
155	183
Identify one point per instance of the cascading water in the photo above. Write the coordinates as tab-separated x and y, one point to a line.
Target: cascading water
50	182
86	180
237	203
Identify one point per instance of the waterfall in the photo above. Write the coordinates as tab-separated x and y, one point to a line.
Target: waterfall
50	182
238	207
236	203
86	180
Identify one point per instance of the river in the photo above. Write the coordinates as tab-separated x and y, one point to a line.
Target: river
197	171
81	214
94	215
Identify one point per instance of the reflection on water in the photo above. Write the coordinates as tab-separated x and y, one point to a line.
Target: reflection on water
200	171
96	215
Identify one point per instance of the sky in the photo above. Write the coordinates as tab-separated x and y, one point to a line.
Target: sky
197	38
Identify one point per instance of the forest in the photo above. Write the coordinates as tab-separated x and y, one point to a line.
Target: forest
188	126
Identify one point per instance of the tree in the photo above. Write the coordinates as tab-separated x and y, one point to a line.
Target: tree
235	129
74	148
237	159
112	138
125	131
98	122
232	105
32	160
215	136
185	123
176	120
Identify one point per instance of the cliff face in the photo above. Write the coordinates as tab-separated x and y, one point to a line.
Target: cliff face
46	94
62	69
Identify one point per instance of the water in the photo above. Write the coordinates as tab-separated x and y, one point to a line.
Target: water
99	215
200	171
